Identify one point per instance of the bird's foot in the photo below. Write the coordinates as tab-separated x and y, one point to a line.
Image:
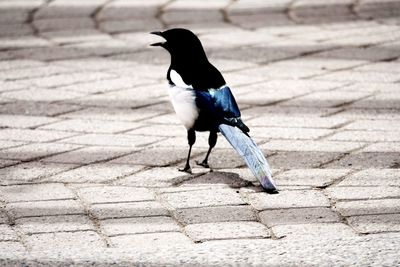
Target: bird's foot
203	163
187	169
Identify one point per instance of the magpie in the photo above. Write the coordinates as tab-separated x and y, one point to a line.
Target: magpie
203	102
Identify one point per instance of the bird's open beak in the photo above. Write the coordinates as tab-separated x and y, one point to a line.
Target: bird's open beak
159	43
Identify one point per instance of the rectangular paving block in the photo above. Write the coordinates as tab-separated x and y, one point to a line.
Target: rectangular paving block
363	160
44	208
28	172
128	209
7	233
311	145
314	230
90	126
298	216
110	194
288	199
362	192
138	225
65	241
289	133
154	177
89	155
226	230
123	140
295	121
94	173
203	198
311	177
366	136
49	224
374	125
369	224
151	241
215	214
35	192
32	135
373	177
21	121
36	150
366	207
297	159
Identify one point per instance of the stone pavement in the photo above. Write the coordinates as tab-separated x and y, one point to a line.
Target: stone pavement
90	145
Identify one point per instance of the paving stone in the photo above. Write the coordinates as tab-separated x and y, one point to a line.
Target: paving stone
223	158
7	162
88	155
15	121
12	248
226	230
35	192
7	234
122	9
118	26
122	140
113	227
297	160
373	125
3	217
155	157
288	199
296	122
289	133
362	192
28	172
59	9
375	223
127	210
232	180
32	72
365	207
311	177
4	144
152	241
35	150
32	135
311	145
47	95
52	24
64	241
203	198
94	173
111	194
215	214
44	208
49	224
298	216
37	108
383	147
76	35
90	126
373	177
368	136
361	160
326	99
316	230
155	177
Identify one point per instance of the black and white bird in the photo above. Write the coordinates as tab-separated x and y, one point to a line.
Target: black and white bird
203	102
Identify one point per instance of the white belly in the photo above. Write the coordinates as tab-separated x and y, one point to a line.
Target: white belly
184	103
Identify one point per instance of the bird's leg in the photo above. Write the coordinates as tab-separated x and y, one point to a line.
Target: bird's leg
212	140
191	136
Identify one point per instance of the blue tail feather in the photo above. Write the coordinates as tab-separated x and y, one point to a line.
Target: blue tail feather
251	154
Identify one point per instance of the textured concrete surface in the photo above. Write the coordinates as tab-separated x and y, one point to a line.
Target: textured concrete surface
90	146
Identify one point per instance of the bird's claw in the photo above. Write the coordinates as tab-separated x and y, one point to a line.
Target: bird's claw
187	169
204	164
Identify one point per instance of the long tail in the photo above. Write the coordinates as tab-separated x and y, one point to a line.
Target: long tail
251	154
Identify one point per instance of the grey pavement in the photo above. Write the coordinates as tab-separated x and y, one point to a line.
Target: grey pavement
90	145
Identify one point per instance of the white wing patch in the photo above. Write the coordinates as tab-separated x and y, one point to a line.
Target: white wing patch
183	100
177	80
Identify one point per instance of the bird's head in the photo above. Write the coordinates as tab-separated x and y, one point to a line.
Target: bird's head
182	44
